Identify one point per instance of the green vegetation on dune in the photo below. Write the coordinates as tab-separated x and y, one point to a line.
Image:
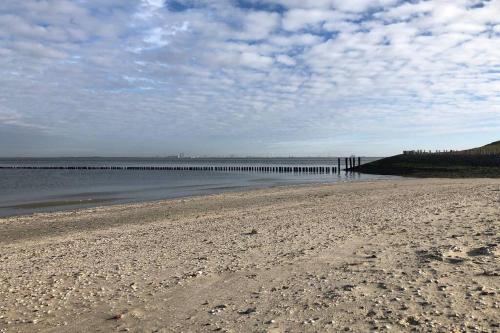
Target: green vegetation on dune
482	162
492	148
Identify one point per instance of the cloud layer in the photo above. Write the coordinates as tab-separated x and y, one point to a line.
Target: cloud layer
247	76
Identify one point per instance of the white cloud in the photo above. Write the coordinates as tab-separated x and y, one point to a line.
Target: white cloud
37	50
445	13
158	37
255	60
259	25
297	19
295	39
361	5
284	59
148	8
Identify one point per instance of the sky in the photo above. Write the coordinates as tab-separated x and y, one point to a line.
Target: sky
247	77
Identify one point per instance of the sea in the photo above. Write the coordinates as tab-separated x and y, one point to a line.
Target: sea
27	191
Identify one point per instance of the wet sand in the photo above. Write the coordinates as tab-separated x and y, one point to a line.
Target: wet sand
390	256
60	203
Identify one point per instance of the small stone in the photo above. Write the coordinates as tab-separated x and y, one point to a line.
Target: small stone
247	311
217	309
115	317
482	251
349	287
413	321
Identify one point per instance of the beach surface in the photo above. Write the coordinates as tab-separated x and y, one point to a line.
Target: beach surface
389	256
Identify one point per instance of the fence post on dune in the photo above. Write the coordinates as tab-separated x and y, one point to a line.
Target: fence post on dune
359	161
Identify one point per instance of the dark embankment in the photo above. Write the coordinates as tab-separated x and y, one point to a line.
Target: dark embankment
483	162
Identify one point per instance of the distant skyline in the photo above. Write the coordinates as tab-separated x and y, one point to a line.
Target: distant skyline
247	77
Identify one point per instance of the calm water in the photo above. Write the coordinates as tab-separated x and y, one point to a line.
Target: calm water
28	191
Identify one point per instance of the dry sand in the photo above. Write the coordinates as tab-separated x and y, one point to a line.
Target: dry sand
410	255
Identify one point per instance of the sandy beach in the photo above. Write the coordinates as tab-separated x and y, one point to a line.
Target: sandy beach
389	256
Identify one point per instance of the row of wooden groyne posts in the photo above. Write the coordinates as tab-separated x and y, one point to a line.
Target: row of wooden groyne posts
349	164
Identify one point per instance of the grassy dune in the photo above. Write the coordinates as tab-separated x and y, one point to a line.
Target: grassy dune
492	148
482	162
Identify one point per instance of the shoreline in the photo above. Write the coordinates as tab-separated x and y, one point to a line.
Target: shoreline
144	205
391	255
68	203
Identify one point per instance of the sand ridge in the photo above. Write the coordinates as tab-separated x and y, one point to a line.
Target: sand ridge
389	256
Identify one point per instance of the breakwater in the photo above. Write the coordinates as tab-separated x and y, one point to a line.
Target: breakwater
342	164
